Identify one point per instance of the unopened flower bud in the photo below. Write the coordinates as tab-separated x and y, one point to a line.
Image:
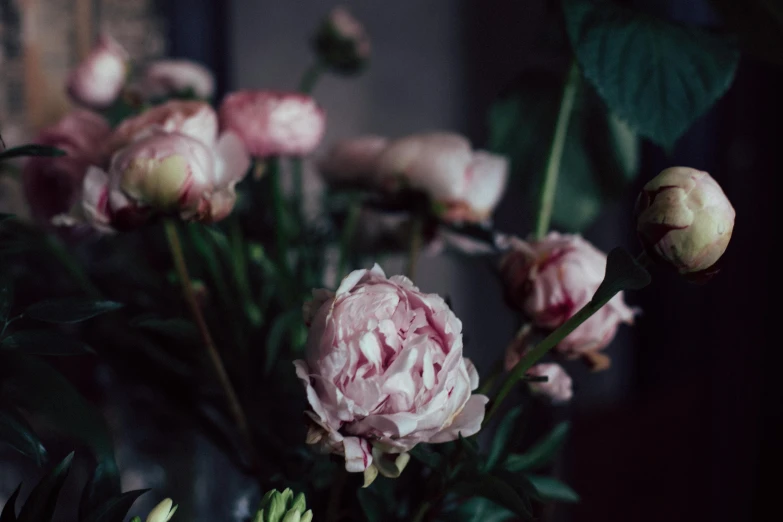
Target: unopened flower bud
162	512
342	43
685	220
283	507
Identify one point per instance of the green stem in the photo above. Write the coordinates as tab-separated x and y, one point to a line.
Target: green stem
310	77
349	229
549	186
422	512
414	249
541	349
281	221
178	256
298	186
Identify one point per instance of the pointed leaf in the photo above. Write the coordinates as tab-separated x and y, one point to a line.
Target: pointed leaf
31	150
480	510
655	75
549	488
15	432
542	453
623	272
44	342
498	491
104	485
40	505
9	510
115	509
70	310
505	429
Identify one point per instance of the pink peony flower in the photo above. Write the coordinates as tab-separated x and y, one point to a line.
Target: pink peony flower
170	77
99	79
53	185
550	280
274	123
342	42
354	161
166	172
384	371
685	220
558	388
192	118
466	185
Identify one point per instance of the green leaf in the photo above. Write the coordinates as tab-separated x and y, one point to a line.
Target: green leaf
9	510
70	310
104	485
31	150
548	488
480	510
424	454
15	432
656	75
34	386
373	505
542	453
44	342
281	325
498	491
600	155
623	272
115	509
42	501
505	429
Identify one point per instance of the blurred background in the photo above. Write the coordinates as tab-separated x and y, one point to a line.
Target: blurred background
685	424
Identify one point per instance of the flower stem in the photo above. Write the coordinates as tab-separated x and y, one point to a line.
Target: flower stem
417	226
190	298
281	219
349	229
310	77
549	186
422	512
541	349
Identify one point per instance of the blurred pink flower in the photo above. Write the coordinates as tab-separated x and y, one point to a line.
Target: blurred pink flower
274	123
384	370
171	77
353	161
685	220
53	185
558	387
98	80
551	279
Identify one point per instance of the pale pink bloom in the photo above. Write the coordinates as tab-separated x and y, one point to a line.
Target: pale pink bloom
552	279
53	185
166	173
349	28
170	77
685	220
353	161
466	184
193	118
558	386
384	370
98	80
274	123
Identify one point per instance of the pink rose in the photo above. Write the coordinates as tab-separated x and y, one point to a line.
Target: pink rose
274	123
192	118
466	184
550	280
353	161
98	80
384	371
53	185
558	386
166	173
170	77
685	220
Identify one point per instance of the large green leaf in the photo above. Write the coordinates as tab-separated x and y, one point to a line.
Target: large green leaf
541	453
70	310
600	154
498	491
103	486
548	488
44	342
15	432
9	510
34	386
30	150
656	75
115	509
40	505
505	429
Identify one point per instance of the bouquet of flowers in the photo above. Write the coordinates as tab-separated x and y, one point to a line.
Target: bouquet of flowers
173	241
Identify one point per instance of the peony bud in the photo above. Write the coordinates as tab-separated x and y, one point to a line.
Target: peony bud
53	185
166	78
98	80
552	279
274	123
342	43
163	511
353	162
384	372
283	507
685	220
557	387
